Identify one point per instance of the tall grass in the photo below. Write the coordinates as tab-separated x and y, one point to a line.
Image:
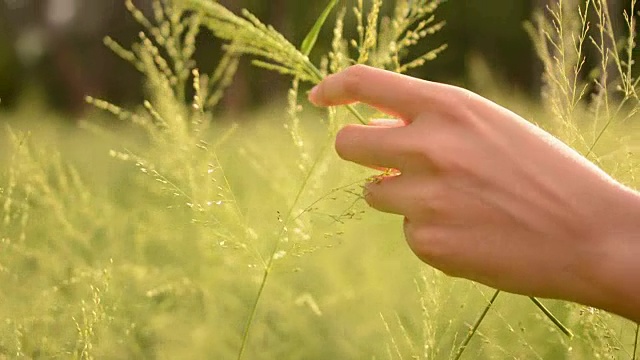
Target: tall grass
188	236
247	35
591	107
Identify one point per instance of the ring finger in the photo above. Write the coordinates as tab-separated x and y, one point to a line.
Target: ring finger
410	196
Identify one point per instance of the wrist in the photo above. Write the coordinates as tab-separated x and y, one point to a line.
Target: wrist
615	267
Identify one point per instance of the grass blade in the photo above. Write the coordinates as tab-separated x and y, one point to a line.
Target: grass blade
311	38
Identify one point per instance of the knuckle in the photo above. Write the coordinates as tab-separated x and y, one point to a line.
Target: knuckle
465	95
428	153
353	79
357	70
461	96
415	154
448	149
431	245
434	196
460	103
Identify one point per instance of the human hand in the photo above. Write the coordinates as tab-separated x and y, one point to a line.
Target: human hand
490	197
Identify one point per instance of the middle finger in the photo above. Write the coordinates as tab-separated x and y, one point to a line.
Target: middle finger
378	147
412	196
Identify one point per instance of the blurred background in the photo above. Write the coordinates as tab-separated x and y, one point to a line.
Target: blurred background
53	49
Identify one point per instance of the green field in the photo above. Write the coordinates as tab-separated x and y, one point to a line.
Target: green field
167	231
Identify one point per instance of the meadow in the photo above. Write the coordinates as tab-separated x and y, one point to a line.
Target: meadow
168	231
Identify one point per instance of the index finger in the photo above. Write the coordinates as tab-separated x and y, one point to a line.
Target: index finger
398	95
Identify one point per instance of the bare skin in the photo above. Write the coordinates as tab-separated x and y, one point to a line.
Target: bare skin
488	196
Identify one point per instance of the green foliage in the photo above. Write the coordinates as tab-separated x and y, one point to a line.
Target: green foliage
383	41
412	21
218	240
248	35
311	38
587	104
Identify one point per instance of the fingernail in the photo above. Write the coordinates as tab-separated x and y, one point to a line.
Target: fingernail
385	122
313	95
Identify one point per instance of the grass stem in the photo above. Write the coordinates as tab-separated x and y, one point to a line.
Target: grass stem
254	309
268	267
475	327
541	306
276	246
635	344
355	112
551	317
